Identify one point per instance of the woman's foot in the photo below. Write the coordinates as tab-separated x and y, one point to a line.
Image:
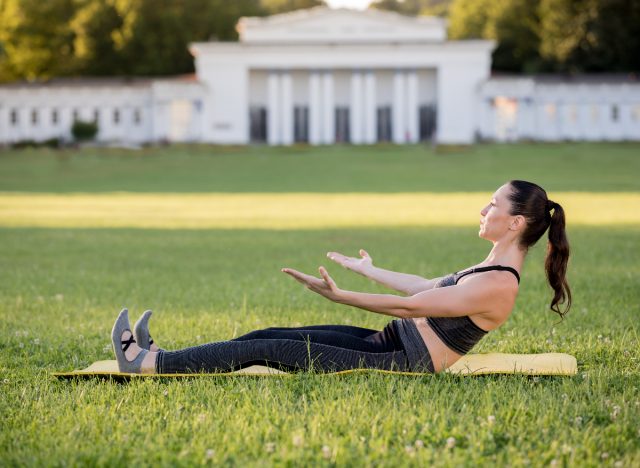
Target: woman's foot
131	358
141	333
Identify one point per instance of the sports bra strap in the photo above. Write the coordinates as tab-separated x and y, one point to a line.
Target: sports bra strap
489	268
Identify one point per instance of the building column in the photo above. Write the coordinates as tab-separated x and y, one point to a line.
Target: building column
399	107
273	109
370	108
286	109
328	112
315	109
356	123
411	111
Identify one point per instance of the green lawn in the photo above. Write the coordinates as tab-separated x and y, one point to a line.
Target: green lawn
61	287
571	167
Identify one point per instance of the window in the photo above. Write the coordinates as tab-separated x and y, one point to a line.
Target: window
137	116
76	114
96	115
595	113
573	113
54	116
34	117
116	116
14	117
635	113
615	113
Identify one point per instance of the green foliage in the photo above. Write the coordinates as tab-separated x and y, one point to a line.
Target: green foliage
26	144
591	35
513	24
553	35
36	38
84	131
102	28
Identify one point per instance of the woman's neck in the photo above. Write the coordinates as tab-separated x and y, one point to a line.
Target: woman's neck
507	254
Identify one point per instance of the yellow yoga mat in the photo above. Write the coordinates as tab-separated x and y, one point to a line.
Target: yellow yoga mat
471	364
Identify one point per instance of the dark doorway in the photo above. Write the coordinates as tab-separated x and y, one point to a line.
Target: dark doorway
301	124
384	123
258	124
427	122
343	134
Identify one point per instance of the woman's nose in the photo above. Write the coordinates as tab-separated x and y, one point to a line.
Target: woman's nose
483	212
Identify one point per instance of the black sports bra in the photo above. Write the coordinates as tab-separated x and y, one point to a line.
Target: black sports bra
461	333
487	268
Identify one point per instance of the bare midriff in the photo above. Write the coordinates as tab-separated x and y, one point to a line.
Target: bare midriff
441	355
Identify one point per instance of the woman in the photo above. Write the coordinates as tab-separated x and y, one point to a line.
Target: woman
441	319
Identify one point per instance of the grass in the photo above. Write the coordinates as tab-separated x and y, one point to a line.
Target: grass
584	167
62	283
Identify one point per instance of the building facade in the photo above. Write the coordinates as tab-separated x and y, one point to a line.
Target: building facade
323	76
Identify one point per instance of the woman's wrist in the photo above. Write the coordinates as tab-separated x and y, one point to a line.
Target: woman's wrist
367	271
341	296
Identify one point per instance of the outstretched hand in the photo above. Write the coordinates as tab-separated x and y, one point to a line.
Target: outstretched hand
358	265
325	286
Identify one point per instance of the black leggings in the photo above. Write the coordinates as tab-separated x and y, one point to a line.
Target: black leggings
324	348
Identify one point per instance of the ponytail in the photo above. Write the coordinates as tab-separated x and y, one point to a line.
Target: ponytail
556	261
531	201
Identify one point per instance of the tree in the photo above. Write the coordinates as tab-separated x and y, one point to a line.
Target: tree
160	36
36	40
514	24
102	28
591	35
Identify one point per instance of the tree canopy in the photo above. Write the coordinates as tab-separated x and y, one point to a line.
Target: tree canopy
40	40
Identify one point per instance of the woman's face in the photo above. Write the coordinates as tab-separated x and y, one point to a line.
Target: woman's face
495	218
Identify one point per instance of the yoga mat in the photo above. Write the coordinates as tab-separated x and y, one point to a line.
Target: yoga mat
471	364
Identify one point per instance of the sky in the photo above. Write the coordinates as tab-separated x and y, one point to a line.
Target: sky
356	4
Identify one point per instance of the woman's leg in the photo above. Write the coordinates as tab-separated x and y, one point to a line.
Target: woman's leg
286	354
323	336
348	329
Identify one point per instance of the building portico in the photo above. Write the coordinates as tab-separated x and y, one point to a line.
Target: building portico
322	76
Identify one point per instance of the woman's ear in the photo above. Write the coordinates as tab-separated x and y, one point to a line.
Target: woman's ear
517	223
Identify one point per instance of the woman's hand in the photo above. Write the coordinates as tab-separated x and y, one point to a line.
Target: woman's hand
324	286
359	265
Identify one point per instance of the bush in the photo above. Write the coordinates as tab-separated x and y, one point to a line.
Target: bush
21	144
84	131
55	142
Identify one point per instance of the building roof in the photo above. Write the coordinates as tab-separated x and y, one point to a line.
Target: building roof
321	25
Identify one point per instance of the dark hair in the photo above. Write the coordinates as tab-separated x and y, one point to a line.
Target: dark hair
531	201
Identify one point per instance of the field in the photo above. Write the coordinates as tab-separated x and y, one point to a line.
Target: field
199	234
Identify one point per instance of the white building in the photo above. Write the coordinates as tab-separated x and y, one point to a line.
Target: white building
552	108
323	76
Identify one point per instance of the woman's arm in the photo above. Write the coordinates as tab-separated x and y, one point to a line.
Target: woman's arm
474	296
402	282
